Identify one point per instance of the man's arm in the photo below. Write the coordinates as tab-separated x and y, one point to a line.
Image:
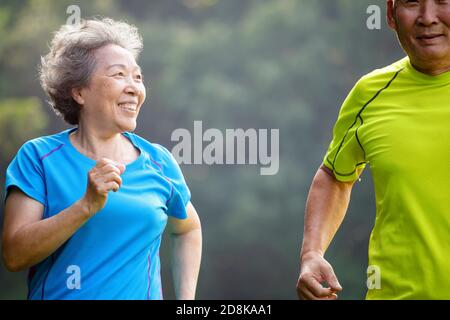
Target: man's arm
326	206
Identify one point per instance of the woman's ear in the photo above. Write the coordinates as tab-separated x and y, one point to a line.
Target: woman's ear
77	95
390	14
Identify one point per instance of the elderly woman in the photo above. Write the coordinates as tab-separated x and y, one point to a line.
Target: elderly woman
78	239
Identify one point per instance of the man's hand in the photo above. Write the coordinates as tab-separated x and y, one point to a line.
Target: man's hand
316	271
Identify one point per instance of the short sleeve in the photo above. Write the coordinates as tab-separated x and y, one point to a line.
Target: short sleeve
345	156
180	194
25	172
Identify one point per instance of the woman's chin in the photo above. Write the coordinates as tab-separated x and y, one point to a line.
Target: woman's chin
129	125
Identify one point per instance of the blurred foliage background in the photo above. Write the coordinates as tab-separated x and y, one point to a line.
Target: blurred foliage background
285	64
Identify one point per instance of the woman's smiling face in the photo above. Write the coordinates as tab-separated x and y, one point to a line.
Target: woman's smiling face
115	93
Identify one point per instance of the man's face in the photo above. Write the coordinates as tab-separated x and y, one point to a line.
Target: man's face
422	27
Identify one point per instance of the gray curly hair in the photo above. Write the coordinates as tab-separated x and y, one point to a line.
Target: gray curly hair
71	59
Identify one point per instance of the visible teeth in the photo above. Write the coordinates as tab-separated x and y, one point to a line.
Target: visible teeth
128	106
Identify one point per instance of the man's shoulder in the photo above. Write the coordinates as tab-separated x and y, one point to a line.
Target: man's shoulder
383	75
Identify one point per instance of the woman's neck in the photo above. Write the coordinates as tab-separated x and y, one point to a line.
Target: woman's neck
97	145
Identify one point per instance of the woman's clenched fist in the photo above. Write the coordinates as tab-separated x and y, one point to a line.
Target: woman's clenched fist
102	178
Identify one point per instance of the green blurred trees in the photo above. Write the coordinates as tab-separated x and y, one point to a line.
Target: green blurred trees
284	64
20	120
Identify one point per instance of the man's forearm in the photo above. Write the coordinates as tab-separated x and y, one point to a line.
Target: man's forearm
326	206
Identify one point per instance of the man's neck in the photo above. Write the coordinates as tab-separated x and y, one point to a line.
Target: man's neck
431	70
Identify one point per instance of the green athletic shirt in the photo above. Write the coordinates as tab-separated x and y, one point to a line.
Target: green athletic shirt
396	120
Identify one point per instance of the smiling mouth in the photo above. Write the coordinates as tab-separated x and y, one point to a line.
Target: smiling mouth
429	36
132	107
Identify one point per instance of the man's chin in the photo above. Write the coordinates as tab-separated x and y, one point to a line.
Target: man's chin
432	53
435	57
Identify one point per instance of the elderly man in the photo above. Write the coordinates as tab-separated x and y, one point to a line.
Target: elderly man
397	121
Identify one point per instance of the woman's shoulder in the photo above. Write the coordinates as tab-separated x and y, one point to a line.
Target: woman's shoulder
156	152
160	158
42	145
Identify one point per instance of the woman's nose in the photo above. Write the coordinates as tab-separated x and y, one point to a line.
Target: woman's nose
131	87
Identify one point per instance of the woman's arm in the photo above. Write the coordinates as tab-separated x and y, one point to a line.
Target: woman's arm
186	253
28	239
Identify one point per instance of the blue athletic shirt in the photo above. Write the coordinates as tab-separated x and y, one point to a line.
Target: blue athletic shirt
115	254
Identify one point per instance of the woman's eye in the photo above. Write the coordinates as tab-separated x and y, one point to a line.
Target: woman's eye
119	74
139	77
